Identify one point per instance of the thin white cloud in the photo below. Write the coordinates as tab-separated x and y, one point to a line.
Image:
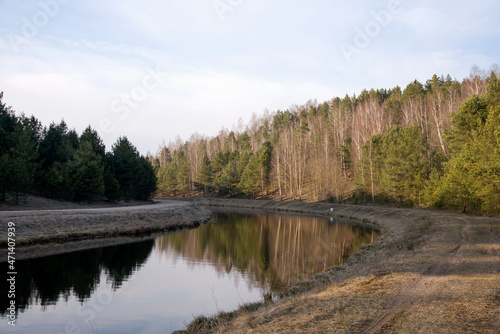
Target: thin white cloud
260	55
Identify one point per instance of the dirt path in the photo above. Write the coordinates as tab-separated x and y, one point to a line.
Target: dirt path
423	288
429	272
159	204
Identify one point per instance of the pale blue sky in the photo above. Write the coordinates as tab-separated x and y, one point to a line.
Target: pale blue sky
152	70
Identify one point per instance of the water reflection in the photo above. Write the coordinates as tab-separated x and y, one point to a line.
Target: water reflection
273	250
42	281
158	285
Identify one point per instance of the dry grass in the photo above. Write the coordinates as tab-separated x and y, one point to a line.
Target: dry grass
429	272
41	227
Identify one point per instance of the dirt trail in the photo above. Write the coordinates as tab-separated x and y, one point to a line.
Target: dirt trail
423	288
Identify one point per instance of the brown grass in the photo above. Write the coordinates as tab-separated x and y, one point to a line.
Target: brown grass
42	227
429	272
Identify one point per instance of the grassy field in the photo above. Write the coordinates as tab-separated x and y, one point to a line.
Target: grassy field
429	272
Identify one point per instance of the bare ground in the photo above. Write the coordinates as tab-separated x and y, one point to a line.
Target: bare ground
33	202
43	232
429	272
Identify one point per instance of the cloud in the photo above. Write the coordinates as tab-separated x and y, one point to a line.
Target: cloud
262	55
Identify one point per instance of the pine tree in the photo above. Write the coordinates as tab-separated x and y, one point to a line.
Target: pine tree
123	161
91	136
182	174
145	179
471	178
24	156
250	179
204	176
87	173
265	158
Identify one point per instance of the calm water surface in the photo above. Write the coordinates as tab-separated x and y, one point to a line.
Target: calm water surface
159	285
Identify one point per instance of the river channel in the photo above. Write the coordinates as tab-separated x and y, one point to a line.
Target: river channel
158	285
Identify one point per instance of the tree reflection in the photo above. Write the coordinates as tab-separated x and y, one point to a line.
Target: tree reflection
45	280
270	250
273	250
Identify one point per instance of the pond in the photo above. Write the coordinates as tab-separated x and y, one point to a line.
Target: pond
160	284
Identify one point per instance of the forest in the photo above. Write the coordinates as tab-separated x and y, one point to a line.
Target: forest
56	162
432	144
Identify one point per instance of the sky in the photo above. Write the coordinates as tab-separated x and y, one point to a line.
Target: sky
156	69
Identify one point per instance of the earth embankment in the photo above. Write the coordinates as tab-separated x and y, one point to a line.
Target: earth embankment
38	227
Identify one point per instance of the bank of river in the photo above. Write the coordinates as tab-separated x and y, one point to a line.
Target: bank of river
54	226
429	272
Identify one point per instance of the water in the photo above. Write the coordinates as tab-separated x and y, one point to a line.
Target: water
159	285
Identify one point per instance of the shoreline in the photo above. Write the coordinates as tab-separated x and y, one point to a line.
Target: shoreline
53	227
394	285
429	271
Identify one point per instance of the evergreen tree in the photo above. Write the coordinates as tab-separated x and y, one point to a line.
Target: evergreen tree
345	155
471	179
168	179
7	125
111	186
182	174
5	172
395	165
124	165
204	176
406	166
219	174
23	168
87	173
91	136
265	158
468	122
230	178
250	177
145	181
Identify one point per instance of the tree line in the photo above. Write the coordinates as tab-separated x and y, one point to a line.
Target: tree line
431	144
57	162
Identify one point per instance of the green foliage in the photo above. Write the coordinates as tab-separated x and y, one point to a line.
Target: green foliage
230	177
471	178
167	179
468	122
182	174
134	173
250	178
124	165
111	186
346	155
91	136
204	177
145	180
450	157
397	164
7	125
86	173
18	155
23	165
57	145
58	163
243	142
